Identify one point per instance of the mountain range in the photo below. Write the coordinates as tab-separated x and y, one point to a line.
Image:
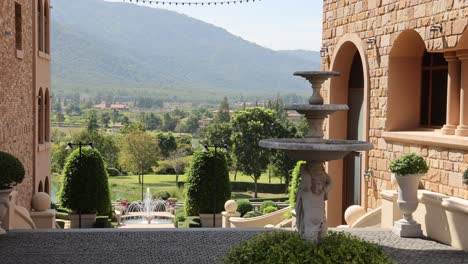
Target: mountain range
103	47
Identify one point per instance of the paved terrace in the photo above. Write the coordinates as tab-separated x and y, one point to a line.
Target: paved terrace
181	246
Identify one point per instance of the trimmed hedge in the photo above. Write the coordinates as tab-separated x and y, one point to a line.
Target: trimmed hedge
267	203
85	187
244	206
12	170
249	186
207	168
269	209
287	247
251	214
162	195
278	199
113	172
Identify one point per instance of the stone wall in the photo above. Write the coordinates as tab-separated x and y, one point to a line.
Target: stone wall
385	20
16	92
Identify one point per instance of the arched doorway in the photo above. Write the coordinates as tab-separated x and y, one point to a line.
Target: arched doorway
352	162
351	88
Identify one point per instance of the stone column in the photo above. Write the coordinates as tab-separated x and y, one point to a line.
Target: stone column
226	217
462	129
453	94
230	206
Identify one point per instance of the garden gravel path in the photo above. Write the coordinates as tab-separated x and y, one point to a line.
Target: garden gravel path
181	246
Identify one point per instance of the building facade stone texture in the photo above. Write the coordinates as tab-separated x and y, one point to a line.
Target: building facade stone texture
19	74
390	36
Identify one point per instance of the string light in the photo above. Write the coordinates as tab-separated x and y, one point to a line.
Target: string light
191	3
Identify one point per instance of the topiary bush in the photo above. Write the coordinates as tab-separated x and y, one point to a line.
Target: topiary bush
295	183
269	209
409	164
11	172
251	214
268	203
244	206
85	187
207	168
162	195
287	247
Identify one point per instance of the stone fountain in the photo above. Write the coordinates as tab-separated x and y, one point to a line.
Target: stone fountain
149	210
315	150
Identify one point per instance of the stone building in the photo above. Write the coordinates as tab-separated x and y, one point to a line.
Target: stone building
404	68
25	90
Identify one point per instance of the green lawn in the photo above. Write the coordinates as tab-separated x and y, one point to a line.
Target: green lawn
127	187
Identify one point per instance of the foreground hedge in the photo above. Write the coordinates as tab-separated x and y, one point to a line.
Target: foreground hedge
287	247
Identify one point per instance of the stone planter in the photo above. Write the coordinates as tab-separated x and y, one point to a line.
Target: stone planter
87	220
207	220
4	201
407	203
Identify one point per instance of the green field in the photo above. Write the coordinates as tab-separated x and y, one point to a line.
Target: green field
128	188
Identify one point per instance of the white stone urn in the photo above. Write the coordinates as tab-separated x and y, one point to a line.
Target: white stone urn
408	203
4	201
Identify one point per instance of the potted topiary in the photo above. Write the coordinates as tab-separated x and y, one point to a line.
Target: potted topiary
207	187
11	173
408	171
85	189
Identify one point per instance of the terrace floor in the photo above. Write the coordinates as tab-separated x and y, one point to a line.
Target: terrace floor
182	246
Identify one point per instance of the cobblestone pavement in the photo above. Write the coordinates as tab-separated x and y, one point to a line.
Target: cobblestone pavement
180	246
413	250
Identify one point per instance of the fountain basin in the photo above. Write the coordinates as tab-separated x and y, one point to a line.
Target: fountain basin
138	220
317	111
314	149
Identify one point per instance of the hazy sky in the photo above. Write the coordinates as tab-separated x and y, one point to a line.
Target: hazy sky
276	24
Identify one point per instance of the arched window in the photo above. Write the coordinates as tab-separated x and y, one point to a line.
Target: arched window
41	188
40	117
40	26
46	185
47	115
433	90
46	27
404	82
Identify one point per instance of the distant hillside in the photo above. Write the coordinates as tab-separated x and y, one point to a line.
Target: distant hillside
312	57
102	47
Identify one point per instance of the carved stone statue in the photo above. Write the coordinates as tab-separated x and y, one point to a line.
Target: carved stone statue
310	202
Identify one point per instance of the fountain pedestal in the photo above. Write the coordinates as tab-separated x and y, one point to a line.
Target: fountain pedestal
315	185
310	203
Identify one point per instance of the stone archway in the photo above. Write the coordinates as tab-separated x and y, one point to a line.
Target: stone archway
404	82
351	88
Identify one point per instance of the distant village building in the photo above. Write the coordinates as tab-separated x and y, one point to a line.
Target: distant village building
204	122
25	87
103	106
404	67
119	106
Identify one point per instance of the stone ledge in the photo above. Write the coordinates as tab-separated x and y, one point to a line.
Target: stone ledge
428	138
